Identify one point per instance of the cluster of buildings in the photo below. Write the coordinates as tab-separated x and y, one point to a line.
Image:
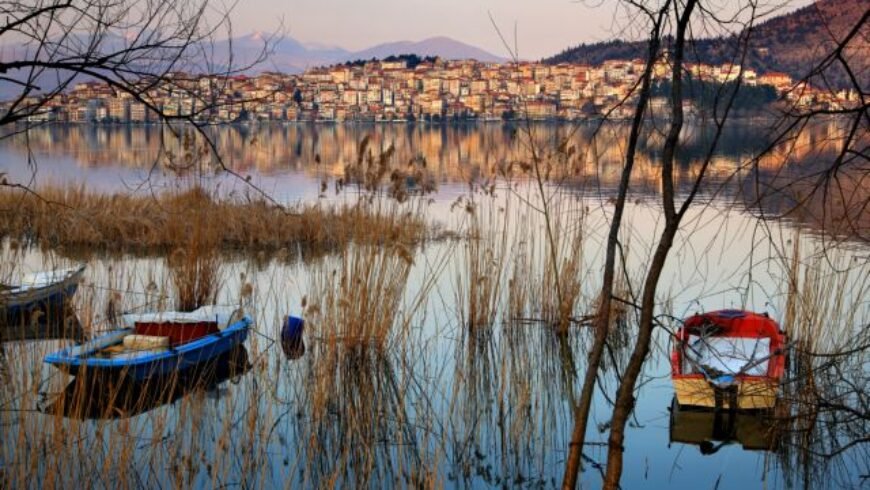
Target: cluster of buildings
391	90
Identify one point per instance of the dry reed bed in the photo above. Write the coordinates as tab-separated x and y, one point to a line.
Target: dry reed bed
357	301
65	432
77	218
822	422
483	266
343	415
557	266
511	270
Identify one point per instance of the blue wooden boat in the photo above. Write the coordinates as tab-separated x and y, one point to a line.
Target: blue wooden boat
45	292
107	397
138	357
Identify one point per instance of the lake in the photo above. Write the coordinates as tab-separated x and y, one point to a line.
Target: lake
451	401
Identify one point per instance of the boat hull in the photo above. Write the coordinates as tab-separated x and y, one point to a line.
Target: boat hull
50	308
173	360
41	305
758	394
108	397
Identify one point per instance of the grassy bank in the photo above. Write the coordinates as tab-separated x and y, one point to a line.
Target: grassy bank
75	218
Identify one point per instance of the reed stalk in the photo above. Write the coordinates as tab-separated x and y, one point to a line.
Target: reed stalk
483	267
356	297
78	221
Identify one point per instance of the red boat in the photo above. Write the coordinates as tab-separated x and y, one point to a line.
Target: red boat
728	359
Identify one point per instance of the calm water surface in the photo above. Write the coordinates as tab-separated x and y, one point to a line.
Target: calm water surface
444	405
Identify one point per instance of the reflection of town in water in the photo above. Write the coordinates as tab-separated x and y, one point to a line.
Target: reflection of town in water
453	153
744	168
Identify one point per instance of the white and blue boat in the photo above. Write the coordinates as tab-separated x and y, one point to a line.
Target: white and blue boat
157	344
45	292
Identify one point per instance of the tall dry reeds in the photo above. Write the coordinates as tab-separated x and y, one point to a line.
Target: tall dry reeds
547	278
823	417
824	293
194	266
359	297
483	265
75	219
511	268
356	299
377	174
561	293
195	273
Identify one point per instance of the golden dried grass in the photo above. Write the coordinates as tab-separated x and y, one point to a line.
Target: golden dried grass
76	218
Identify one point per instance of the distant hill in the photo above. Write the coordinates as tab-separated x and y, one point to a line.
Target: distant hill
286	55
291	56
791	43
443	47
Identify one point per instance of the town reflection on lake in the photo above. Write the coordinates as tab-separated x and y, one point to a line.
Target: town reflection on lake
292	162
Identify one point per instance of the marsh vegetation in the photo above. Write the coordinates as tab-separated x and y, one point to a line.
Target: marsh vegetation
427	362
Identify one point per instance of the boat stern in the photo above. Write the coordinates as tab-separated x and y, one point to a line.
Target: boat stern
750	394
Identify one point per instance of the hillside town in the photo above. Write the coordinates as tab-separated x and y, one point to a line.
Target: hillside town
401	89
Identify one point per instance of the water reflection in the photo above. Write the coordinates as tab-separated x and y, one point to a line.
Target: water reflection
291	161
825	425
52	324
96	396
55	325
489	407
443	406
293	348
514	387
358	430
452	152
711	430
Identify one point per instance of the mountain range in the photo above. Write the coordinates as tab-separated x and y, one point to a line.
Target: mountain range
285	54
792	43
289	55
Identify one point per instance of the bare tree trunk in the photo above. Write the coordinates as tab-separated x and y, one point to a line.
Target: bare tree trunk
602	318
624	403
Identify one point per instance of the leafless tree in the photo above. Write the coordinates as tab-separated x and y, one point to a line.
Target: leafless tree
671	25
602	318
139	49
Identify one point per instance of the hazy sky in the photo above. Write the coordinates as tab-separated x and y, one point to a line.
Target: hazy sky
544	27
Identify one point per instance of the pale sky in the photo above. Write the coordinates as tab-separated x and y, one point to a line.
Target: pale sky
544	27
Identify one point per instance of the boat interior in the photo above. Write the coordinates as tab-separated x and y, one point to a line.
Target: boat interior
726	355
152	333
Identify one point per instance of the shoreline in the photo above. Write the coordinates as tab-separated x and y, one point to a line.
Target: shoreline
758	116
